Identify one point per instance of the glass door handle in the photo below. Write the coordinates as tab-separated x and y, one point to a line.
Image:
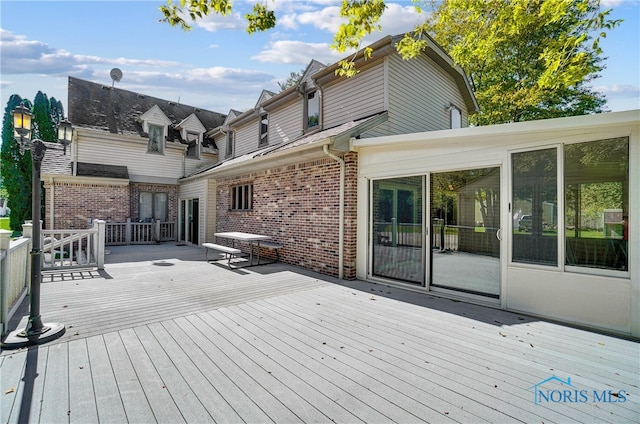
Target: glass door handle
499	234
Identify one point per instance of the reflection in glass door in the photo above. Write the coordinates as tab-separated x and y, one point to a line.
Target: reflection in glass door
397	233
465	230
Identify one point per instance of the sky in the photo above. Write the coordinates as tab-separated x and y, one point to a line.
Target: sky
218	65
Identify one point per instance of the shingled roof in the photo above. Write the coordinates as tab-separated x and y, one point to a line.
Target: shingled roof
102	107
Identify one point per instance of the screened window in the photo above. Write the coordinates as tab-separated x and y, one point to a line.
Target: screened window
264	130
534	207
193	145
153	206
596	203
156	142
229	149
241	197
313	109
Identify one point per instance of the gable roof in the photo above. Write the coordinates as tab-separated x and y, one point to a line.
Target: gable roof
387	45
100	107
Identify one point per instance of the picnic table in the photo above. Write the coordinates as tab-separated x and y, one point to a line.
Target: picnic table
240	236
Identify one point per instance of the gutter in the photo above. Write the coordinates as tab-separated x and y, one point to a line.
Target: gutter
326	151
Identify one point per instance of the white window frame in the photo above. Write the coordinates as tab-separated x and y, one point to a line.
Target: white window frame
263	130
197	147
160	143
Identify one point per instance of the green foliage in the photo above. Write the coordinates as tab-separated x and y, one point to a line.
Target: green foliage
16	169
526	59
261	19
16	161
291	80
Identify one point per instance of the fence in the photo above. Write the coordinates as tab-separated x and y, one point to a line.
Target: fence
74	249
14	275
119	233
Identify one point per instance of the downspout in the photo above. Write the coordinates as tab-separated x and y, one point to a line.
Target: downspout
325	148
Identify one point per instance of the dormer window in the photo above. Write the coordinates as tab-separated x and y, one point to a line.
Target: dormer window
229	149
193	145
264	130
156	139
312	110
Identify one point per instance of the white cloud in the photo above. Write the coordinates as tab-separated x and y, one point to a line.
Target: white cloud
215	22
296	52
620	91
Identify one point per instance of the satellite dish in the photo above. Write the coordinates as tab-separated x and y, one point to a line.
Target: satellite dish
116	75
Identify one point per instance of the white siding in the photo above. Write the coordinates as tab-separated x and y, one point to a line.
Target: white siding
205	191
206	159
419	92
285	123
247	137
354	98
131	153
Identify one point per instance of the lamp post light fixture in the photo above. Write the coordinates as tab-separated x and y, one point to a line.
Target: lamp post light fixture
36	332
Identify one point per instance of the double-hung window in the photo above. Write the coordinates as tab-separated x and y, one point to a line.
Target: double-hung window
193	145
264	130
241	197
229	146
312	110
156	139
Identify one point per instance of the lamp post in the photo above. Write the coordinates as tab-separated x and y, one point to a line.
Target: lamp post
36	332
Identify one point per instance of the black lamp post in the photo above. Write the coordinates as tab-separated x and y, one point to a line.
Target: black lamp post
36	332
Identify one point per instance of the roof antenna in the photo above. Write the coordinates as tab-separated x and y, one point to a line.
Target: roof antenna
116	76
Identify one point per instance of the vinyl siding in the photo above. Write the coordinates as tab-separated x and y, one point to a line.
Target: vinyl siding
247	137
132	154
419	92
354	98
192	165
204	191
285	123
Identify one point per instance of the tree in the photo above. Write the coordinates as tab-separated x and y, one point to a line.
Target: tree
292	80
526	59
16	161
16	169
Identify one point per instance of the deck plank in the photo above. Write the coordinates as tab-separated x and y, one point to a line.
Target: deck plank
136	404
11	373
82	401
109	406
55	397
180	355
191	409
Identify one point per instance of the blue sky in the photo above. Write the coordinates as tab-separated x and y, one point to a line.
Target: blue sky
217	65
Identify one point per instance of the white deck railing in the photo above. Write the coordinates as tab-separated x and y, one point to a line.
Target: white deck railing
14	275
73	249
119	233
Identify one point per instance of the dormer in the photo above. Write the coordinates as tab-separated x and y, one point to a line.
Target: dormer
156	125
192	132
263	121
312	105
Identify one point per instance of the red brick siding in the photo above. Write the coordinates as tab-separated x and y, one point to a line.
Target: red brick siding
74	204
298	205
172	214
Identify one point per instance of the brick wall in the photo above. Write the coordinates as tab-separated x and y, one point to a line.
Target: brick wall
172	214
298	205
74	204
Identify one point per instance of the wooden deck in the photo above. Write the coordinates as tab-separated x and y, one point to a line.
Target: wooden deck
163	336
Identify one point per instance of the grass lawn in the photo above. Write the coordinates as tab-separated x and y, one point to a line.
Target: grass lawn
4	223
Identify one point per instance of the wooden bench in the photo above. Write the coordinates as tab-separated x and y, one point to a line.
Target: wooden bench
272	245
230	252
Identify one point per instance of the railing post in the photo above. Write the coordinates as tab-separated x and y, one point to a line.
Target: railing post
5	240
156	237
100	238
127	232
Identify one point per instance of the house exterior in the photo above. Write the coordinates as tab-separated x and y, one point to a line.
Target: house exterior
286	168
128	154
378	177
